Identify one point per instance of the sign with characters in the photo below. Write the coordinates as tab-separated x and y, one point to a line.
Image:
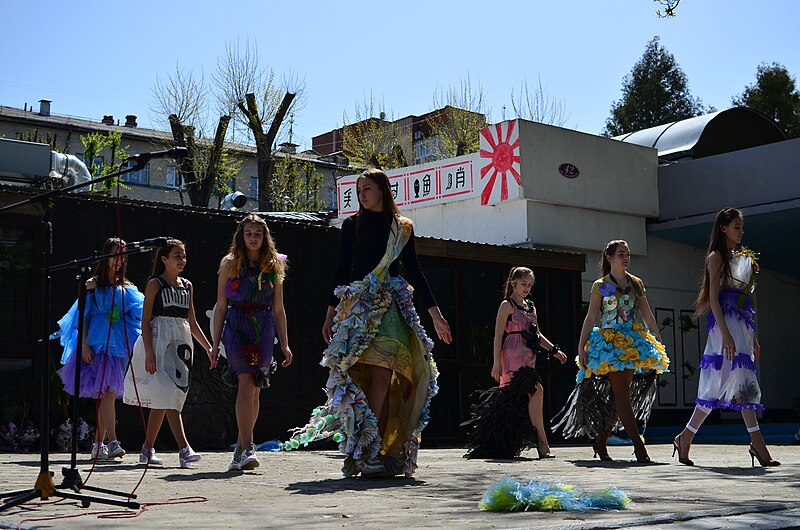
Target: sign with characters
492	174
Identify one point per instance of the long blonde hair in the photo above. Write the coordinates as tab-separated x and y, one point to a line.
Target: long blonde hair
516	273
270	260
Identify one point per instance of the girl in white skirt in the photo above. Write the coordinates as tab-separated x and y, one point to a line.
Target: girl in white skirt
158	377
727	369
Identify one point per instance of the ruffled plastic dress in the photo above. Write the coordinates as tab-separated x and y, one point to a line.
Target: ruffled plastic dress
621	342
113	316
376	323
725	383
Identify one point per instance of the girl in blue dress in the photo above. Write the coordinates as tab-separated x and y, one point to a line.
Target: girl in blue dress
112	323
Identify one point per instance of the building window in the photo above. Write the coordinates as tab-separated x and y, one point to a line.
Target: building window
231	185
99	163
427	150
140	176
174	178
254	187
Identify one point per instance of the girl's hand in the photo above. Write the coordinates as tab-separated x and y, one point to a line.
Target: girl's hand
561	356
442	329
728	346
287	354
583	358
87	354
213	356
327	329
150	362
496	372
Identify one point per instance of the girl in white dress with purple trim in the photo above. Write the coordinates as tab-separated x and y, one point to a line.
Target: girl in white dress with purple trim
727	369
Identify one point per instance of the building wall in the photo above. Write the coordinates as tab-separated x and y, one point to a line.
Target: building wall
614	177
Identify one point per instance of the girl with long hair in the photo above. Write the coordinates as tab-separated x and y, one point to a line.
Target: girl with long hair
382	372
727	369
158	377
112	302
248	314
508	419
618	359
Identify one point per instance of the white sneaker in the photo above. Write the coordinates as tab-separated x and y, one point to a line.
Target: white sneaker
187	456
148	456
115	449
100	452
236	461
249	459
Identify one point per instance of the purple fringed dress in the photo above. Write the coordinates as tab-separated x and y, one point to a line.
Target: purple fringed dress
725	383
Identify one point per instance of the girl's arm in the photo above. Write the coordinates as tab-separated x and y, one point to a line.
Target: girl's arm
279	313
588	323
150	294
327	327
503	313
714	270
197	332
558	354
440	325
648	318
756	347
220	310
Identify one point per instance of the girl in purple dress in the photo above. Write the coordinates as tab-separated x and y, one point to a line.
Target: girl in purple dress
111	301
509	419
248	314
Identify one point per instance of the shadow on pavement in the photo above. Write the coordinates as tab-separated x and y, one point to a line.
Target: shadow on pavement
326	486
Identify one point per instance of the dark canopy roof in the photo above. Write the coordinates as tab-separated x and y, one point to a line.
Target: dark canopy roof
711	134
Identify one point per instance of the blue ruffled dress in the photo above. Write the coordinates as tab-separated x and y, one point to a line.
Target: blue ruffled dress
113	317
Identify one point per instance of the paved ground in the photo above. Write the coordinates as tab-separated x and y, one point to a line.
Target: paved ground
306	490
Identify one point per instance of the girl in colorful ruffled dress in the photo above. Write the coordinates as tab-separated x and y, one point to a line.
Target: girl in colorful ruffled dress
112	301
620	360
508	419
727	369
158	377
382	374
248	313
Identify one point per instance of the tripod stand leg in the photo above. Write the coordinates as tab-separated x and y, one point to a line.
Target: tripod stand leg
44	489
87	499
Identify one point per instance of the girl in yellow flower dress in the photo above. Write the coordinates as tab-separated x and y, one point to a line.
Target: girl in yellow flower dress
619	361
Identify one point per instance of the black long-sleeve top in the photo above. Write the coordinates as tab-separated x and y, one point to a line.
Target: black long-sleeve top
359	258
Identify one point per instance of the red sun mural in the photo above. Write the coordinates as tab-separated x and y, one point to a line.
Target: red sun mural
500	157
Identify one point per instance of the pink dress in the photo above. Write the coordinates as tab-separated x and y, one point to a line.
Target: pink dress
514	353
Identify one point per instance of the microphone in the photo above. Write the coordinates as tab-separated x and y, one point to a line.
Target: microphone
147	244
141	159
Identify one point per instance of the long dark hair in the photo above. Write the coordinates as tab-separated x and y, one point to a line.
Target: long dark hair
716	243
390	211
163	252
101	270
269	257
605	265
516	273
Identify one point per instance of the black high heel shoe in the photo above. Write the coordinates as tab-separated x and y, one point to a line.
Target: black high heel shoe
677	449
765	462
544	455
600	450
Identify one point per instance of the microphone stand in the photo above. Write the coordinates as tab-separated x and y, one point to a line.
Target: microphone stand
44	488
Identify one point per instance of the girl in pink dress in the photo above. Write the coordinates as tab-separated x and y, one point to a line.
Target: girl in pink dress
508	419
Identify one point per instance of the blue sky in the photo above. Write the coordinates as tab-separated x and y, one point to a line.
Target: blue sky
94	58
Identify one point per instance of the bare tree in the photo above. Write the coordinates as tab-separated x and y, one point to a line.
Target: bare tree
371	140
249	89
455	128
537	106
182	99
670	6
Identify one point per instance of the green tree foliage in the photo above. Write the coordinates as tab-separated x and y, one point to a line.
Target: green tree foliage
775	94
372	141
93	144
670	6
296	185
656	91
